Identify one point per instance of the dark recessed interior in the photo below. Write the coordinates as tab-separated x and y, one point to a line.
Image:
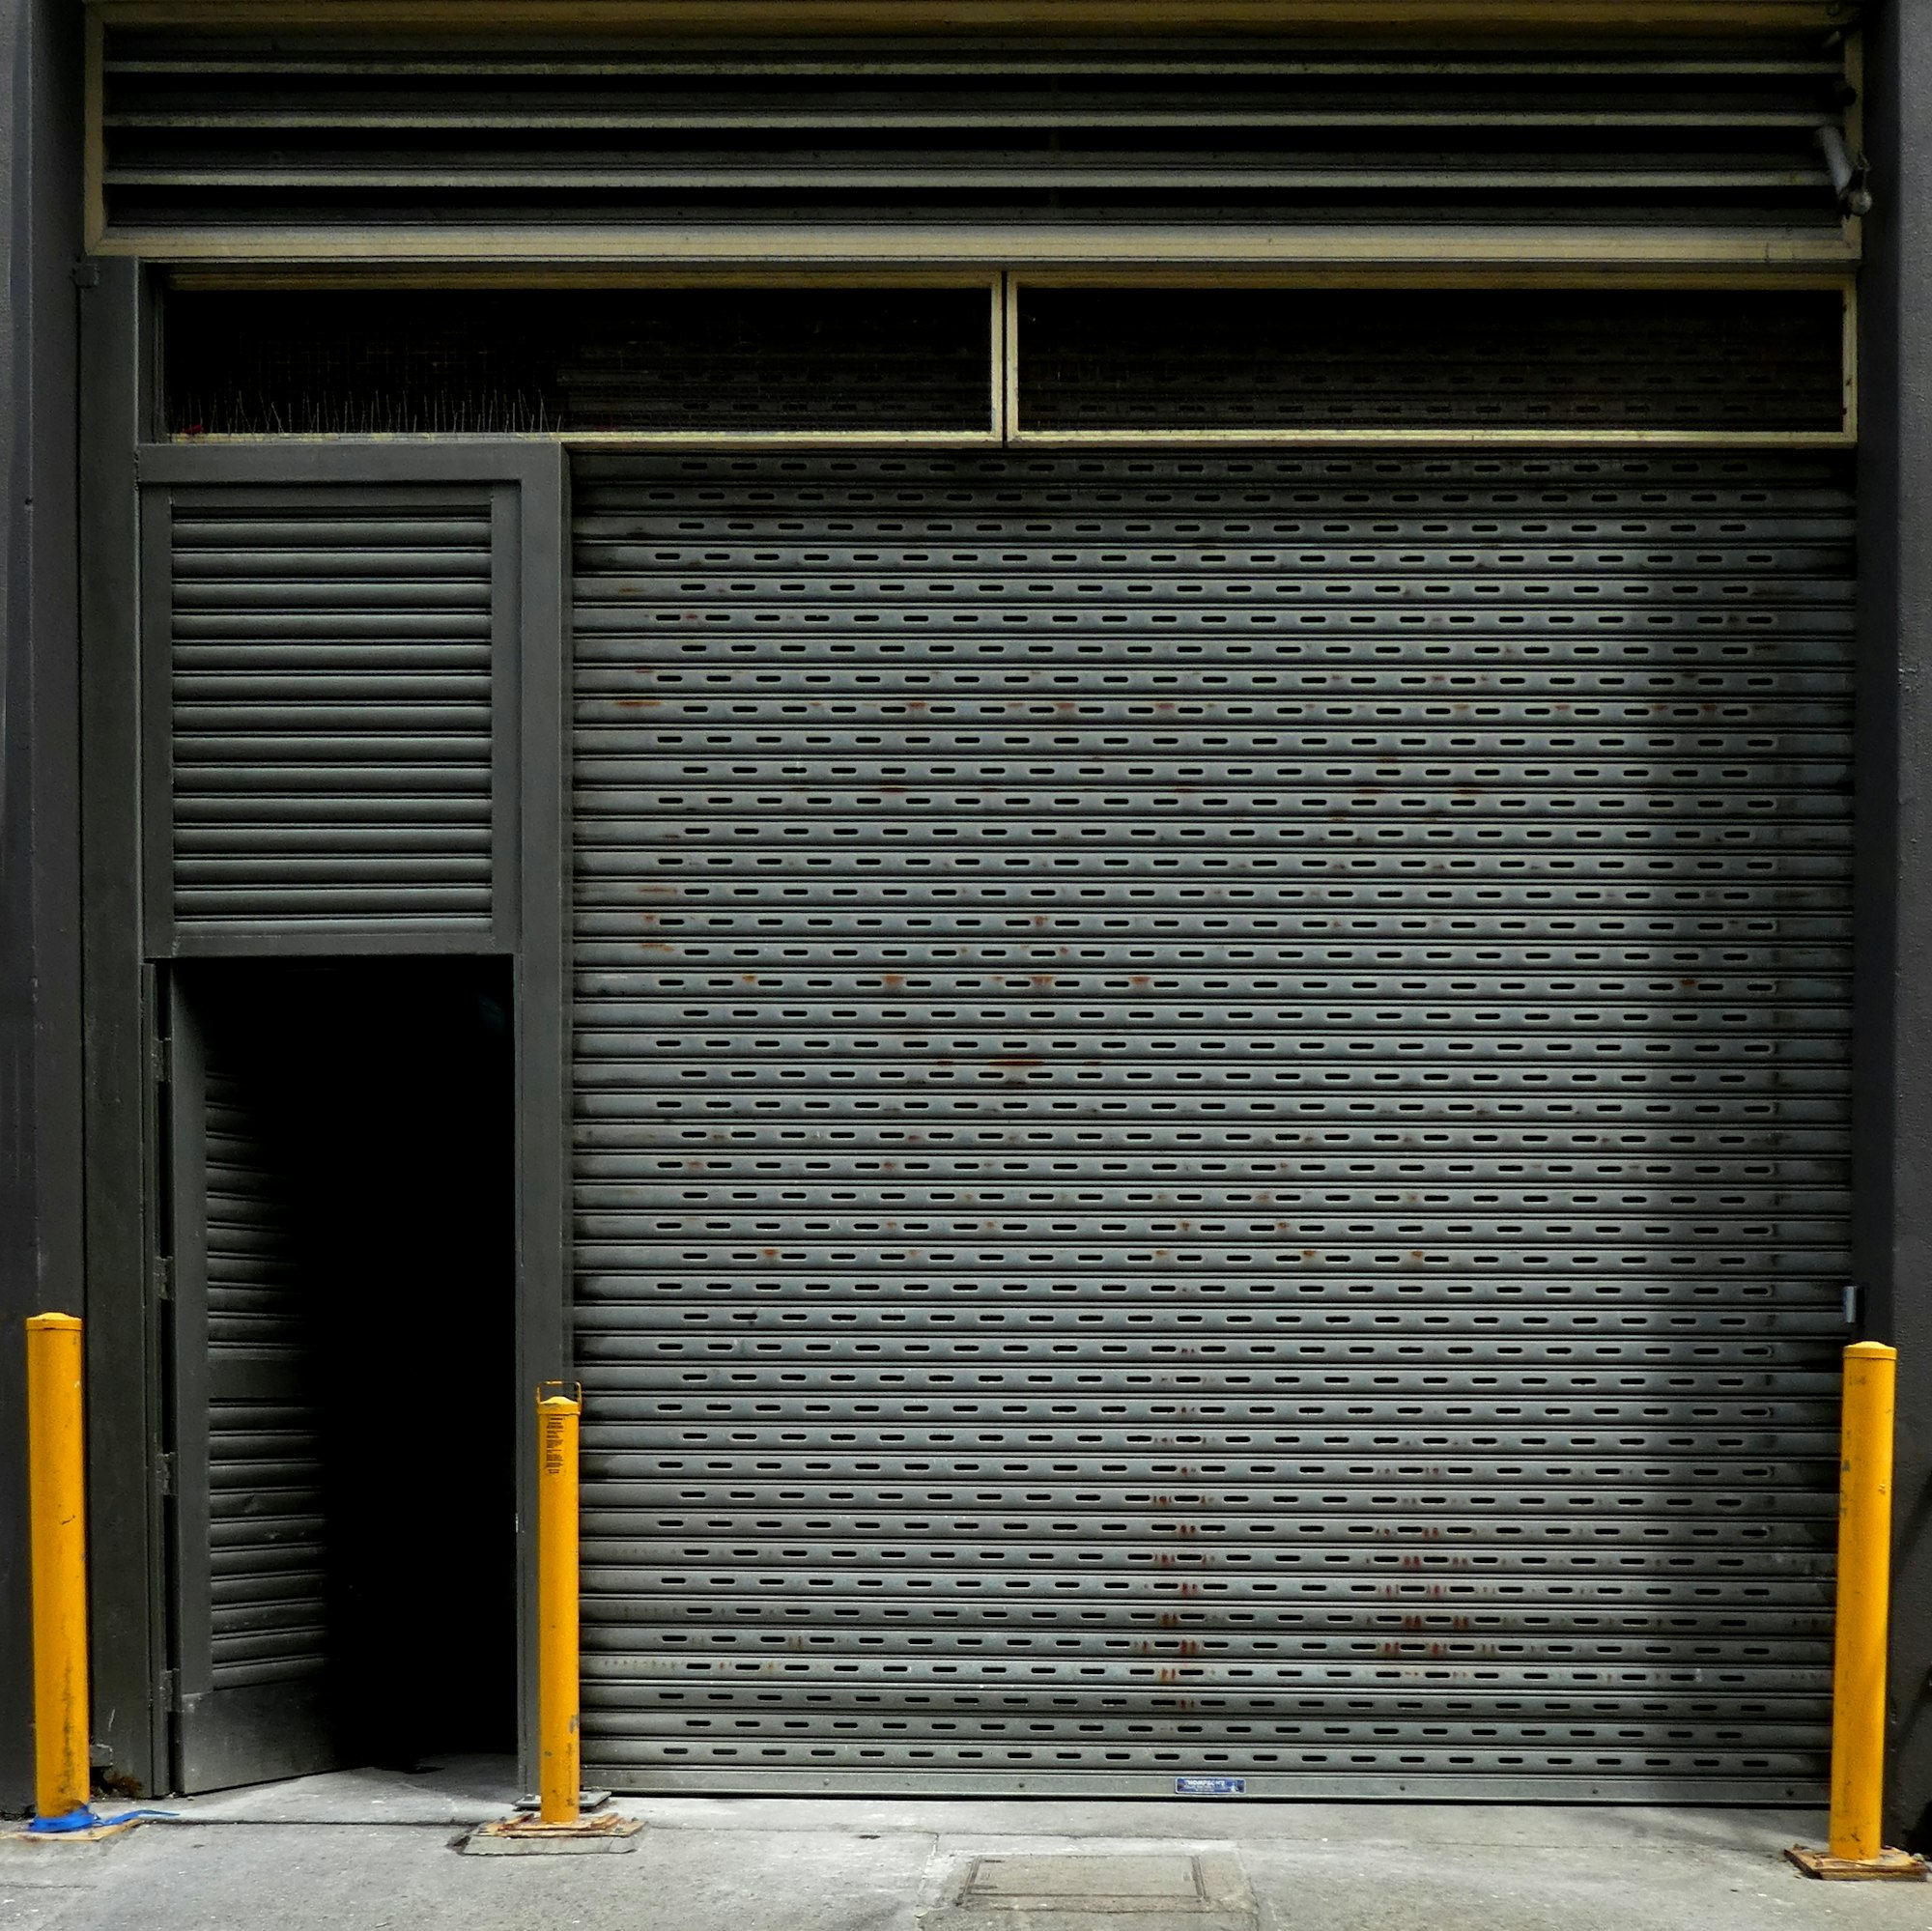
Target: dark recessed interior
1448	358
361	1242
497	361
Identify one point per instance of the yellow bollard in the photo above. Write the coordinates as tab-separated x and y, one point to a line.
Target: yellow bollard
558	1416
1865	1578
57	1515
1857	1664
560	1823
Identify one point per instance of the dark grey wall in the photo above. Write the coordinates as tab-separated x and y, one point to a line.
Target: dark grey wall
1895	1032
39	960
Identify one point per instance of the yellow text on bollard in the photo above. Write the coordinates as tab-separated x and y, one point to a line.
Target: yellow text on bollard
1865	1583
57	1516
559	1783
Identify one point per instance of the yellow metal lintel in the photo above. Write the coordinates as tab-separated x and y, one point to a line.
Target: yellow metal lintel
776	253
1073	439
200	278
1437	439
210	277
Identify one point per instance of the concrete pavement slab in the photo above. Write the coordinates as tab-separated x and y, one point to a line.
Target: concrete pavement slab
369	1851
347	1877
458	1790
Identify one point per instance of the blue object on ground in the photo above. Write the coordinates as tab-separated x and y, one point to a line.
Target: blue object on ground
84	1819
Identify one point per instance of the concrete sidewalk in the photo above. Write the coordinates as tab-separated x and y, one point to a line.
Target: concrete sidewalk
366	1851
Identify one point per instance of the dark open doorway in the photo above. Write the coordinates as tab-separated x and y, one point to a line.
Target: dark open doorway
343	1156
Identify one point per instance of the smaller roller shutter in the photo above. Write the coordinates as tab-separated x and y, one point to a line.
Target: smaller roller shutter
252	1536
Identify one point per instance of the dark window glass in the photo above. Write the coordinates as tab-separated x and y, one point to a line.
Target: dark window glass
1421	358
505	362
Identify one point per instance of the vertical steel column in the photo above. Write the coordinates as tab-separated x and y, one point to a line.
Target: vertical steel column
43	1252
1893	1034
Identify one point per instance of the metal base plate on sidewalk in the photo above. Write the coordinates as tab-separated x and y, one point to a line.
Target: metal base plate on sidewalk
530	1837
84	1825
1900	1864
91	1833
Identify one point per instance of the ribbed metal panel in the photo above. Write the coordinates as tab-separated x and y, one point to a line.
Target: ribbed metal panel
267	1584
210	134
332	753
1212	1120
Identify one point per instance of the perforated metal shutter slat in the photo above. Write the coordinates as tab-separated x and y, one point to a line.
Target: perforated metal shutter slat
331	697
1212	1120
269	1589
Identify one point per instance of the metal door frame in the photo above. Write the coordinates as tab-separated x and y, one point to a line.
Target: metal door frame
125	1066
534	766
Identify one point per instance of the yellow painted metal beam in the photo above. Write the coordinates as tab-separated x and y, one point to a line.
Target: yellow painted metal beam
1540	253
568	278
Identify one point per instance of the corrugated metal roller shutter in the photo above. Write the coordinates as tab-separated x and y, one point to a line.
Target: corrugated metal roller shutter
269	1598
257	1623
1212	1120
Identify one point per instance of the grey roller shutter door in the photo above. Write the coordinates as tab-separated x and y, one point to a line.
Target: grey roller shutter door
1212	1120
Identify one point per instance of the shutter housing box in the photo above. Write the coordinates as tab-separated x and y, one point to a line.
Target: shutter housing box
943	150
